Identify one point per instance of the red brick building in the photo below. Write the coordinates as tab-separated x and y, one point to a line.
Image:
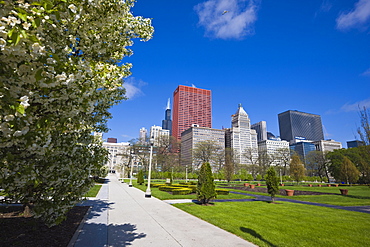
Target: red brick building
190	106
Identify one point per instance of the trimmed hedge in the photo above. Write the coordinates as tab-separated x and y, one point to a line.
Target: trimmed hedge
182	191
176	190
155	185
222	192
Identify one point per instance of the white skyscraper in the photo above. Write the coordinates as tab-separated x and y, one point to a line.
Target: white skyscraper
243	138
156	132
142	135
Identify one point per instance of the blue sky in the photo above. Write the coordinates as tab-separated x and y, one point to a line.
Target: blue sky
270	56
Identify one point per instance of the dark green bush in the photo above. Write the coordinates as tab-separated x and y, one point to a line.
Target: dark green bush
140	177
181	191
206	186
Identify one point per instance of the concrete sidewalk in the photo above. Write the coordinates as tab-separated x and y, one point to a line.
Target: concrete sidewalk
121	216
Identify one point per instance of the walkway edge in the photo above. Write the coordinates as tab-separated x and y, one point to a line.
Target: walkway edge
79	229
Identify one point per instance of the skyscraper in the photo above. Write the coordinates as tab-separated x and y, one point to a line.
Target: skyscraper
190	106
167	122
142	135
243	138
261	130
300	125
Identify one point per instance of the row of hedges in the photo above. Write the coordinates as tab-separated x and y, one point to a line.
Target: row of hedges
183	188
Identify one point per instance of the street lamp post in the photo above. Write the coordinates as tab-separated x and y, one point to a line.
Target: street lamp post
186	173
148	192
132	166
281	178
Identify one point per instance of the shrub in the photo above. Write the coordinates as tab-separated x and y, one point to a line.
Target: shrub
166	188
155	185
140	177
206	187
272	182
222	192
181	191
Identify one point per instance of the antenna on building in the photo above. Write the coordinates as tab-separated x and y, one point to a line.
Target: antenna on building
168	104
325	132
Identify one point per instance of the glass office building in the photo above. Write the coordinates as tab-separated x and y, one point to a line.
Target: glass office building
300	125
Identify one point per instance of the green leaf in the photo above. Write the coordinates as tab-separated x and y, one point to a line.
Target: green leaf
23	32
38	75
33	38
20	108
10	33
22	16
37	22
16	38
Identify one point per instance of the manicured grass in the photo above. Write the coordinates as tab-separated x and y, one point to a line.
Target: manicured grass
357	195
93	191
163	195
286	224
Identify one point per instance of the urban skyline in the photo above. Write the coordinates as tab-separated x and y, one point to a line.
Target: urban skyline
295	114
294	56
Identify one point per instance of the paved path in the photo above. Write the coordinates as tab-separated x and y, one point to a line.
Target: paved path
121	215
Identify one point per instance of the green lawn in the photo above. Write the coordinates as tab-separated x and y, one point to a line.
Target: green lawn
286	224
93	191
357	195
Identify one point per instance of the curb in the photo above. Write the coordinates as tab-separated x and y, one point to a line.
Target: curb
78	230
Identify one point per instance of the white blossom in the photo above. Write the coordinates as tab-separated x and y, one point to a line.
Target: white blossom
24	101
8	118
73	8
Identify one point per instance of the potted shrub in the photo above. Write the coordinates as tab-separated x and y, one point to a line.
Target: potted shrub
289	192
344	191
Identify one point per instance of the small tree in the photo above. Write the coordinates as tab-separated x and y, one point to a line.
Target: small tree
297	169
348	171
140	177
205	187
229	164
272	182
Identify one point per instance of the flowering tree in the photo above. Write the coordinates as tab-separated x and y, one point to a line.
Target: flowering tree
58	78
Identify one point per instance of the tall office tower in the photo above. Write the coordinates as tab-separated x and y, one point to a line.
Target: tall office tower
167	122
243	138
142	135
190	106
261	130
300	125
302	149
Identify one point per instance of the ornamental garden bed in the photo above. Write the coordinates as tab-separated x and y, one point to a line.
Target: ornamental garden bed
184	189
281	191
